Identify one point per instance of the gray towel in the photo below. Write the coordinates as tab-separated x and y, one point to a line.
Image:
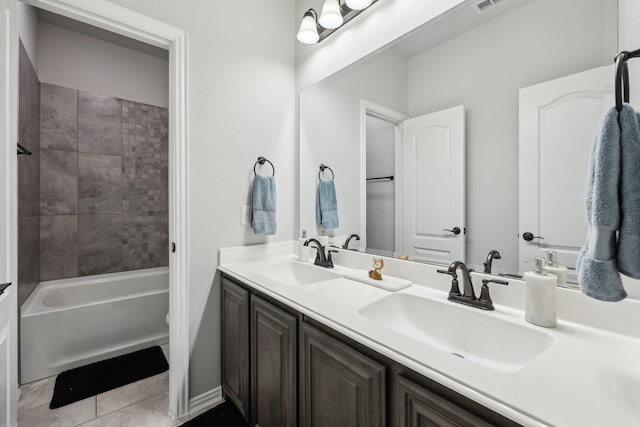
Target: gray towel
327	206
629	232
263	205
613	208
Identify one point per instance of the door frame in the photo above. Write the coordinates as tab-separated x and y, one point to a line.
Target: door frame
368	108
123	21
9	195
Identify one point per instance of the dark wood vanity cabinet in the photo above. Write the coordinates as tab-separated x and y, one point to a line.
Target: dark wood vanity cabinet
338	385
235	344
283	369
273	365
259	357
417	406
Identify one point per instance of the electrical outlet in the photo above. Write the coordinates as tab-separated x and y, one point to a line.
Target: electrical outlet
246	215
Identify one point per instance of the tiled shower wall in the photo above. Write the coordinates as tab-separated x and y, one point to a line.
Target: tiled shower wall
104	184
28	178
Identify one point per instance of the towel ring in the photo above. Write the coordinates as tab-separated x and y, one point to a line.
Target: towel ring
622	79
322	168
261	161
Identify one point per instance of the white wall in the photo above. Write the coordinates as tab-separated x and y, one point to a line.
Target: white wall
464	71
70	59
241	99
28	32
330	133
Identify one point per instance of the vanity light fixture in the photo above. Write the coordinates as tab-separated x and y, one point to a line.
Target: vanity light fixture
308	32
358	4
331	16
335	13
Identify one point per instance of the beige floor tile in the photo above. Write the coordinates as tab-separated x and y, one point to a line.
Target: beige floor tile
152	412
67	416
132	393
36	393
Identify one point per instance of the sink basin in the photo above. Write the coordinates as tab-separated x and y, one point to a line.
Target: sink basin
476	336
296	273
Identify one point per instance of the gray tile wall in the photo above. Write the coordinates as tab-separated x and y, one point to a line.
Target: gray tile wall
28	177
104	184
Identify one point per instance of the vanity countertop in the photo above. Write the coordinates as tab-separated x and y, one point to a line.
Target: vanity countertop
588	376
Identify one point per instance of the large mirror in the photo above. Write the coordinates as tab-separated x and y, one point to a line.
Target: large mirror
474	78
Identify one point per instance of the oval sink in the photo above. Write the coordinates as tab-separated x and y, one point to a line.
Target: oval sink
476	336
296	273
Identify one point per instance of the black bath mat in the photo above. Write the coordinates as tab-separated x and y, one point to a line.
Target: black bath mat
223	415
86	381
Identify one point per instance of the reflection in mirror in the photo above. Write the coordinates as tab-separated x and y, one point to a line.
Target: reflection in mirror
381	194
480	61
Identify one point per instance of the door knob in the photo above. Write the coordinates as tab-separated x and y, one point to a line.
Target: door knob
528	236
454	230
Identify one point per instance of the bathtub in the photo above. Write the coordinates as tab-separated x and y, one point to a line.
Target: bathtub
72	322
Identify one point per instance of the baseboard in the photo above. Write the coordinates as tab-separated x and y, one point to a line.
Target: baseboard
205	400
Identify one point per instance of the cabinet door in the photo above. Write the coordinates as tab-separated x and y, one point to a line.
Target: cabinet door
235	344
419	407
273	365
339	386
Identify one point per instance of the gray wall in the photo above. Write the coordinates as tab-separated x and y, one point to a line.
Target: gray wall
330	132
68	58
28	178
103	187
463	70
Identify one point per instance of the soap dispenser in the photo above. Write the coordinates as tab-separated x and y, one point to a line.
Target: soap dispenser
303	251
540	304
552	267
323	238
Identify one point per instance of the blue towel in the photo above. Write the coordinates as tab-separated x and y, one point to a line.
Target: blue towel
263	205
613	208
327	205
629	232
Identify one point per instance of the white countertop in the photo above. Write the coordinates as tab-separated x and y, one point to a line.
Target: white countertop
588	376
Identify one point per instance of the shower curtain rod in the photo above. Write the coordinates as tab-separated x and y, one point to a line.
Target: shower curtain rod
380	178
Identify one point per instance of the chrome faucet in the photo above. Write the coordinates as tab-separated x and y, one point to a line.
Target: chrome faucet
322	259
468	297
493	254
346	242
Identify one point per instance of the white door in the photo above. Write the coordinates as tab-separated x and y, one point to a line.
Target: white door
433	186
558	123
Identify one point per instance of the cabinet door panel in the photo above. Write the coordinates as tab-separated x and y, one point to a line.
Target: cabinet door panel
235	344
419	407
339	386
273	365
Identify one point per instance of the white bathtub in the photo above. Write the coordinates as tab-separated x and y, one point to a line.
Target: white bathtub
72	322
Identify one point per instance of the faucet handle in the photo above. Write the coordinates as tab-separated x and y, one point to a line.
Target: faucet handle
329	259
499	282
455	289
485	299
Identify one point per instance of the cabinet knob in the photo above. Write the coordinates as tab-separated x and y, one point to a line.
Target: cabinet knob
528	236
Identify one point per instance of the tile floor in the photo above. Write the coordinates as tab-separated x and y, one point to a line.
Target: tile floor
140	404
